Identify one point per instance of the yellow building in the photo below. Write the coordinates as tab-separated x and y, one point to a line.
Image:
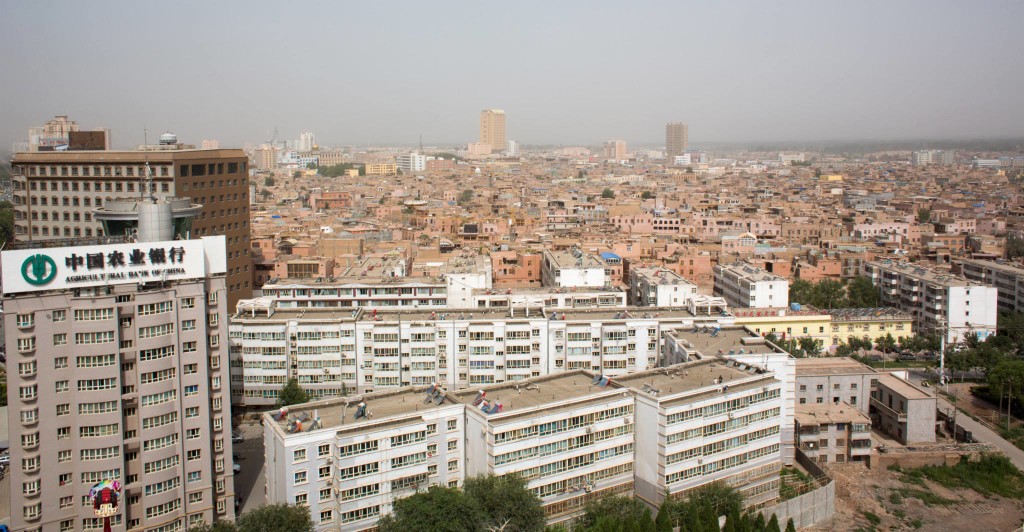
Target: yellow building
831	177
787	323
381	168
869	324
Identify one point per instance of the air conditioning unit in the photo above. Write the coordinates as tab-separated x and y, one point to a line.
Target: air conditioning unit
590	429
628	419
329	460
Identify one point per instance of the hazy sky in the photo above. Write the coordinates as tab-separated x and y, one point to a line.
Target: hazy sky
565	72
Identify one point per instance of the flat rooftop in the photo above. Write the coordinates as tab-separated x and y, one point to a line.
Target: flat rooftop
544	290
574	259
687	376
1005	267
750	272
831	366
340	412
867	314
344	281
661	276
538	391
914	270
829	414
902	387
619	313
728	340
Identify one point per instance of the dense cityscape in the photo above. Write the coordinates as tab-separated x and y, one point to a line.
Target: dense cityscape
277	330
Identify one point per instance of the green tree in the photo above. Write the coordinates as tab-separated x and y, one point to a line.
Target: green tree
607	193
268	181
829	293
6	222
759	523
647	194
773	524
292	394
663	523
861	293
266	518
886	344
810	346
465	197
800	291
506	502
297	174
1014	246
615	511
437	508
924	215
790	527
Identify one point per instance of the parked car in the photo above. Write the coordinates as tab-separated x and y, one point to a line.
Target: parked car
237	438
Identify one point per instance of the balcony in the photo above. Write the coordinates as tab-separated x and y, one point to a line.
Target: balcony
899	416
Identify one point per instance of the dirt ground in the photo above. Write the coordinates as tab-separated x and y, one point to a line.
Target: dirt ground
860	490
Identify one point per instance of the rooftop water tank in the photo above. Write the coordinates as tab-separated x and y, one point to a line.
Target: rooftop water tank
168	138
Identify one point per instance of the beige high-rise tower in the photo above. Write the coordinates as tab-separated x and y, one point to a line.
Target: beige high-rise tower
677	139
492	129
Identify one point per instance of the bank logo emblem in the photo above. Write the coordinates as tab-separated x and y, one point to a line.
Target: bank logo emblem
38	269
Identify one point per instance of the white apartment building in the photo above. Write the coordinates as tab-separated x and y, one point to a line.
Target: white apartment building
658	287
337	351
1007	278
349	470
411	162
707	421
938	301
574	269
571	436
747	286
744	346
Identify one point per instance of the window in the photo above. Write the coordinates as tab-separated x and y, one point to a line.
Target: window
299	455
453	424
301	499
63	409
326	516
324	472
323	450
300	477
59	315
61	339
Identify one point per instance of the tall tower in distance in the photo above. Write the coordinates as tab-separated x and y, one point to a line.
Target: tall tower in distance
492	129
677	139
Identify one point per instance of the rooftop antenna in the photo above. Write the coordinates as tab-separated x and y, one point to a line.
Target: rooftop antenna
147	179
421	143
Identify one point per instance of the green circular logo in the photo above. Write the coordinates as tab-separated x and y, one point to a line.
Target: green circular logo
38	269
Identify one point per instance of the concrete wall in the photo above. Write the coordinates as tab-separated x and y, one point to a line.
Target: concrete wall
810	508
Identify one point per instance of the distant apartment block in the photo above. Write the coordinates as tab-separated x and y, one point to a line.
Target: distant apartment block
932	157
658	287
939	302
615	149
411	162
832	381
574	269
492	129
381	168
747	286
1008	279
677	140
871	324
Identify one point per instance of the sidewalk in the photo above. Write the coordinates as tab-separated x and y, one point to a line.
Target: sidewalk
985	434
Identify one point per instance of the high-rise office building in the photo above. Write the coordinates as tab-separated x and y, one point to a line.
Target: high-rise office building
615	149
492	129
121	351
306	141
55	194
677	138
513	148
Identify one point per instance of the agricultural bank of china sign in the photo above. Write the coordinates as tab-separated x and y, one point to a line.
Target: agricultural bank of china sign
28	270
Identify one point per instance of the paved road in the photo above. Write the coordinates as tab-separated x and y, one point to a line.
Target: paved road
980	432
250	483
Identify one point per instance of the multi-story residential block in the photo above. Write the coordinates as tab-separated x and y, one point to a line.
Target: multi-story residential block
833	433
740	344
337	351
574	269
707	421
122	375
571	436
932	157
658	287
831	381
903	410
615	149
381	168
1007	278
348	460
871	324
747	286
939	302
55	194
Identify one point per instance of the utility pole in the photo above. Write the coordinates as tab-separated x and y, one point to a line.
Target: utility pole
943	332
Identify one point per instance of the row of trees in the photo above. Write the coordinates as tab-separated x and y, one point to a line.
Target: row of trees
267	518
830	293
486	503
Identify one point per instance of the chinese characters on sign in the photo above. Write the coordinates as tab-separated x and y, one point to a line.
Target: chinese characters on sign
116	258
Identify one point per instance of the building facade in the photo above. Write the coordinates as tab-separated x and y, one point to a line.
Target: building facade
55	194
677	140
1007	278
492	129
747	286
120	377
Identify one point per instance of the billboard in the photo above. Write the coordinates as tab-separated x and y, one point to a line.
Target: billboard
33	270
